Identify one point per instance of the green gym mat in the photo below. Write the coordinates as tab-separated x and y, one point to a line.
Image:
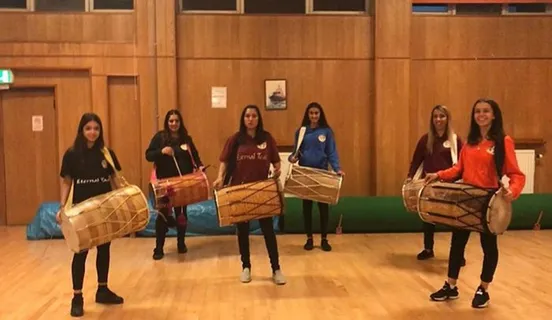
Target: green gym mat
387	214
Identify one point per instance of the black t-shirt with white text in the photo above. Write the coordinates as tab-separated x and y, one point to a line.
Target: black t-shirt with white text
91	175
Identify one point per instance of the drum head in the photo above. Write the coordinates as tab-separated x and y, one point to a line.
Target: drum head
499	214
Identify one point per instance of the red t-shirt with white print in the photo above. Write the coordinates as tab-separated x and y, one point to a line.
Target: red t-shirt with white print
253	160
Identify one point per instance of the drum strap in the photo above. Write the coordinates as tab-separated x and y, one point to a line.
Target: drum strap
454	149
109	159
300	138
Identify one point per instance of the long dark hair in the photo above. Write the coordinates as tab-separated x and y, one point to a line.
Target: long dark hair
81	143
322	122
496	133
260	133
182	131
260	137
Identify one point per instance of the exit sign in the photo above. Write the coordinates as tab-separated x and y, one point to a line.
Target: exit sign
6	76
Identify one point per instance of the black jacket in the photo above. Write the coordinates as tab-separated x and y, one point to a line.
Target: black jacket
164	164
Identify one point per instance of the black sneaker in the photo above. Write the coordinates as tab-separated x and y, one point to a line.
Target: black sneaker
77	306
481	298
325	245
158	254
426	254
446	292
182	247
308	245
106	296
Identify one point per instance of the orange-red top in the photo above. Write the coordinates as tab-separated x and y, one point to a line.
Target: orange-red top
477	167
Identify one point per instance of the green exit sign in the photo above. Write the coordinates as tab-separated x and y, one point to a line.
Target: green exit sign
6	76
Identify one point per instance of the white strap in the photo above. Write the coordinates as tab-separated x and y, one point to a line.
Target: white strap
300	138
418	173
454	149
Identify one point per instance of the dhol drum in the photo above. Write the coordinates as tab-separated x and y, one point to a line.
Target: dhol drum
249	201
410	193
465	206
104	218
180	190
313	184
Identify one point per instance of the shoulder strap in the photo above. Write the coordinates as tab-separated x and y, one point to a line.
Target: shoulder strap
109	159
454	149
300	138
418	173
69	202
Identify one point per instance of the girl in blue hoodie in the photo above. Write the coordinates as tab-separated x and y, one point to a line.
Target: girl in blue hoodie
317	150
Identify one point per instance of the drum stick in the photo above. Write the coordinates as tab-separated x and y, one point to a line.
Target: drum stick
338	230
537	225
177	167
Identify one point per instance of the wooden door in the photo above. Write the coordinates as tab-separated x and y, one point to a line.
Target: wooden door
30	152
124	126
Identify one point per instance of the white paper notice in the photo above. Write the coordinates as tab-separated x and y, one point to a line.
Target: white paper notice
38	124
218	97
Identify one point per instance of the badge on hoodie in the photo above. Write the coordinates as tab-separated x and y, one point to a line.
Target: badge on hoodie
104	164
491	150
184	147
446	144
321	138
262	146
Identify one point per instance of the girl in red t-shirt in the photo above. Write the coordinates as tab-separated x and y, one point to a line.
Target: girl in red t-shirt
246	158
488	155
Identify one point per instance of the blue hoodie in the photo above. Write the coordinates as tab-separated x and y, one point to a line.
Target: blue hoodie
317	149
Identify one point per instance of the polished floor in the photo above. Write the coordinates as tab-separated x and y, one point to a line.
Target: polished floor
366	276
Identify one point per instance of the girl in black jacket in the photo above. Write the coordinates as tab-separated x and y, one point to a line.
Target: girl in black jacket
173	140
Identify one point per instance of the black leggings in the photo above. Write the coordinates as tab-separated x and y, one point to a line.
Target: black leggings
324	217
490	254
429	233
270	242
102	266
161	226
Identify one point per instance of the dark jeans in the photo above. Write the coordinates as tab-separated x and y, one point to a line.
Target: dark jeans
490	253
270	242
102	265
324	217
162	227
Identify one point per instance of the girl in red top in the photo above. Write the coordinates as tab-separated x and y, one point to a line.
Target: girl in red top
434	153
489	155
246	158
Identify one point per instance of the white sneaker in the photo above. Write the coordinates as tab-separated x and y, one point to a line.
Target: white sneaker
245	275
278	277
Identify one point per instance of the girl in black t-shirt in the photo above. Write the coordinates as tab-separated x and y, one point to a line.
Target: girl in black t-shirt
173	140
85	166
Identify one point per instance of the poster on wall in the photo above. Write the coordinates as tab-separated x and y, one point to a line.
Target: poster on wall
38	123
275	94
218	97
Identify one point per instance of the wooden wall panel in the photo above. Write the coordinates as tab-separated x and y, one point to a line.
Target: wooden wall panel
124	125
392	122
72	96
3	214
72	27
521	87
481	37
392	28
341	87
268	37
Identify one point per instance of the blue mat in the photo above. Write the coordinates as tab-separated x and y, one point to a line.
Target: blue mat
202	220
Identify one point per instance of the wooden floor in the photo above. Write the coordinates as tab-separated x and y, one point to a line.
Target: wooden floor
372	276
